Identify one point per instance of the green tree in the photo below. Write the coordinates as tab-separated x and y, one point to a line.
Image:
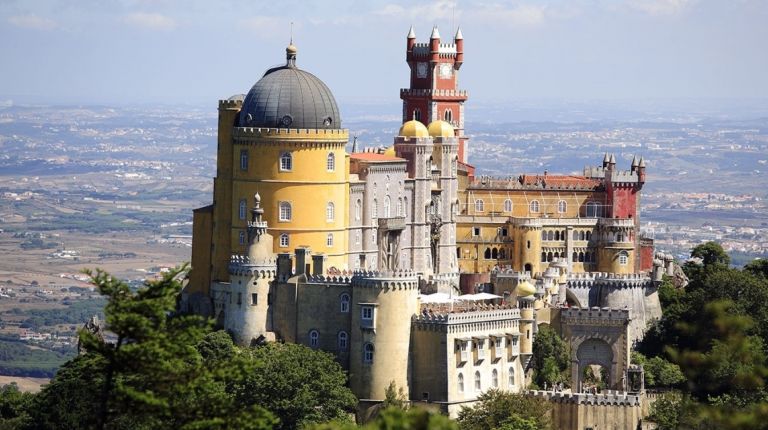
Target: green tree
14	407
395	397
503	410
298	384
550	357
758	267
394	418
711	253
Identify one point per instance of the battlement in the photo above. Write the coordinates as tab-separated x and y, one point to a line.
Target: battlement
461	316
536	182
242	265
625	176
247	133
616	222
608	398
329	279
613	280
230	104
420	92
605	316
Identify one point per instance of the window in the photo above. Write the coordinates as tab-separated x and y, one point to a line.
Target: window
242	238
478	385
562	206
387	204
504	231
286	162
329	240
623	258
495	378
448	115
357	237
285	211
511	381
314	339
454	166
243	159
593	210
475	231
375	209
358	209
417	114
284	240
342	341
405	206
330	162
479	205
480	345
254	299
330	212
399	207
366	316
461	383
243	209
344	302
534	206
507	205
368	353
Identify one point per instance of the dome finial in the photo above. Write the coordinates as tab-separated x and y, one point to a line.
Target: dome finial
291	50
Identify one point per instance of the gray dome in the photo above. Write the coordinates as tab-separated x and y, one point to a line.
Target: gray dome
288	97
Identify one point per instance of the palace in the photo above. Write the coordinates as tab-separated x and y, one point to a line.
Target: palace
307	243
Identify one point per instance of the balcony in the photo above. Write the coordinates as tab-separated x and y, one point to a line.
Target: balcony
392	224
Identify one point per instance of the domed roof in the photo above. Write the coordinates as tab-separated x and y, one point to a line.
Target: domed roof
390	151
413	128
288	97
440	128
525	288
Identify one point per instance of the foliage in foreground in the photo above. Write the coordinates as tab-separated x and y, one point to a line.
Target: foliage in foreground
501	410
551	359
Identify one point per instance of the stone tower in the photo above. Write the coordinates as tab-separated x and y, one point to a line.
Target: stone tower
434	92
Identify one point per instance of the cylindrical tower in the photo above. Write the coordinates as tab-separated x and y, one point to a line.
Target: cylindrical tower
525	298
289	147
530	247
381	332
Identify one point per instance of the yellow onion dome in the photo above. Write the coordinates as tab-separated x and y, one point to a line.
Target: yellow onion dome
525	288
390	152
413	128
440	128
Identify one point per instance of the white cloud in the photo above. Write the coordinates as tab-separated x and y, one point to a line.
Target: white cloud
519	15
268	26
152	21
660	7
33	22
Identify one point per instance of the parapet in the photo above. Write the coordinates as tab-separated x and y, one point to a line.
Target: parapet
496	313
242	265
241	134
608	398
613	280
396	279
605	316
230	103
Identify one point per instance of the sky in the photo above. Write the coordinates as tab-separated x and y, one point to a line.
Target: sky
198	51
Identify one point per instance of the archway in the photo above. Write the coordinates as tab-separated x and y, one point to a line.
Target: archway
595	362
571	299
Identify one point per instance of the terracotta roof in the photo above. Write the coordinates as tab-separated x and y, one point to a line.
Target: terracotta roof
372	156
559	181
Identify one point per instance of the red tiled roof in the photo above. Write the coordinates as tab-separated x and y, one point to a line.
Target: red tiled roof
372	156
559	181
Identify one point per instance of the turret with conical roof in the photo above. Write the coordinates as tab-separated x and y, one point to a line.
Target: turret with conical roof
459	41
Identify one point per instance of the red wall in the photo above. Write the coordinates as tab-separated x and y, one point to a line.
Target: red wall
624	202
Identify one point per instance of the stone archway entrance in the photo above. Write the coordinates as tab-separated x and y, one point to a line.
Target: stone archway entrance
595	361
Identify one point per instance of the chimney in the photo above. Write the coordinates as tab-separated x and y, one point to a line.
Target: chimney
317	264
302	259
284	265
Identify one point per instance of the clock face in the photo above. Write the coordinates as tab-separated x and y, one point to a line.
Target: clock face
421	70
446	70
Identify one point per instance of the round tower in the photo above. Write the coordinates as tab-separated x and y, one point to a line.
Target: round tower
249	314
529	247
525	299
381	332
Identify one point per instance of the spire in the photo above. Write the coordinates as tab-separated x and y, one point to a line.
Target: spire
606	159
290	51
257	226
642	162
613	159
411	33
435	33
458	36
634	161
354	144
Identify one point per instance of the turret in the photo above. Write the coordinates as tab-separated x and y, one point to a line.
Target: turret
410	41
459	40
634	164
641	170
606	159
434	45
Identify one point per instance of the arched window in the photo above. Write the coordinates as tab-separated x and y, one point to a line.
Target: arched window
343	340
375	209
454	165
619	237
557	235
387	204
314	338
588	257
581	257
286	162
358	209
502	254
487	254
368	353
461	383
478	384
285	211
405	207
495	253
593	210
534	206
399	207
562	206
495	378
582	235
330	212
623	258
448	115
344	302
479	205
507	205
330	162
549	257
551	235
575	256
543	257
242	238
329	240
417	114
589	235
357	237
243	159
511	381
243	209
284	240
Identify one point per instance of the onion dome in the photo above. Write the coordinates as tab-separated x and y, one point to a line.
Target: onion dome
525	288
288	97
440	128
390	151
413	128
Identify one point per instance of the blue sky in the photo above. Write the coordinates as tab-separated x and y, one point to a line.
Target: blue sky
196	51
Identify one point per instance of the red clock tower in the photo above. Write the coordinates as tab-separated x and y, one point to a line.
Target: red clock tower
434	91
